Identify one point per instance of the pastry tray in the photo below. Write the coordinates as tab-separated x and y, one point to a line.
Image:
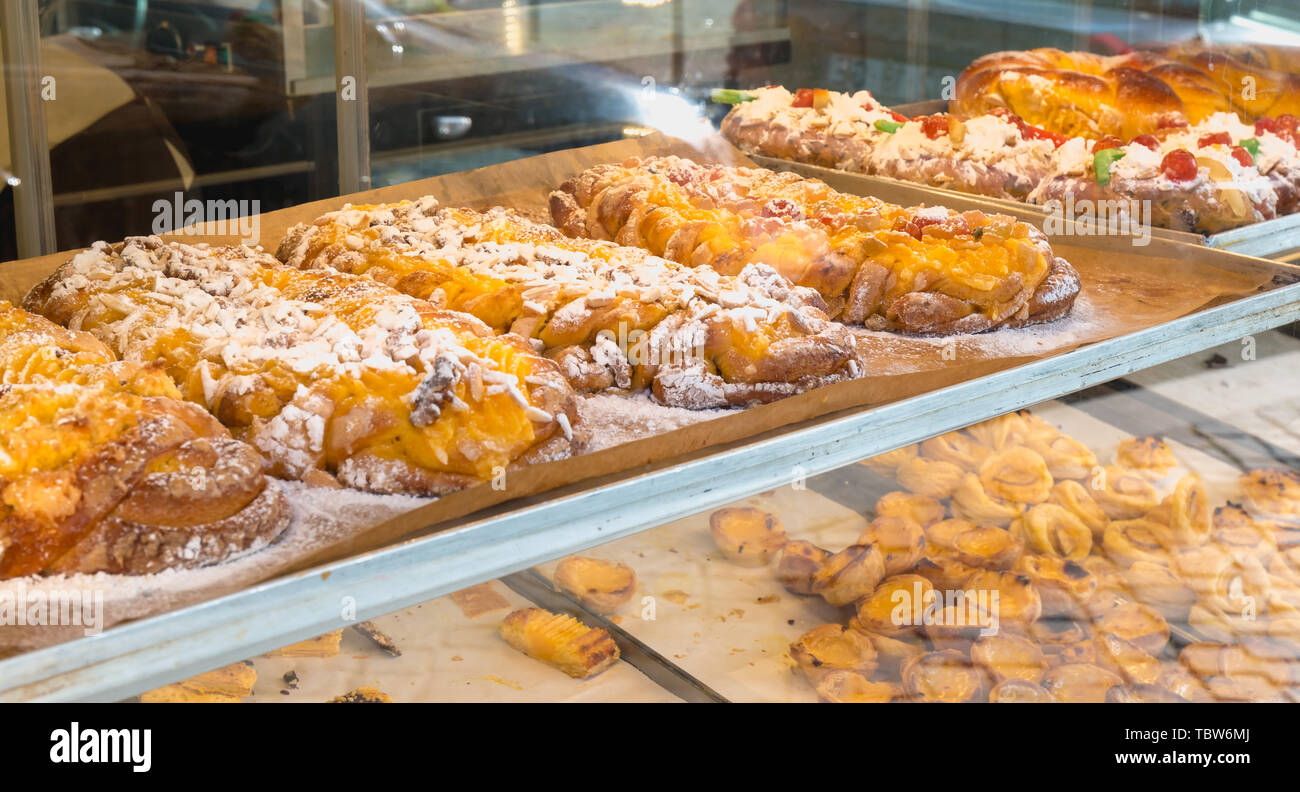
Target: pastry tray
567	506
1276	238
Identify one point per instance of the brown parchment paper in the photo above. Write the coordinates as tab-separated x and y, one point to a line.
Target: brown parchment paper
1125	289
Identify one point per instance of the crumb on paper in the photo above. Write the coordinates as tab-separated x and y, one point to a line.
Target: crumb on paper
477	600
363	695
227	685
676	596
510	683
291	679
769	599
378	637
326	645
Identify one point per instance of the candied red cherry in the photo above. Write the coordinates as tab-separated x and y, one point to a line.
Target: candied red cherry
803	98
899	117
1242	156
1108	142
1172	122
1179	165
1213	139
934	126
1149	141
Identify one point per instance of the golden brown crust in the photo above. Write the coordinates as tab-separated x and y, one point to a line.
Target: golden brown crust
603	586
747	536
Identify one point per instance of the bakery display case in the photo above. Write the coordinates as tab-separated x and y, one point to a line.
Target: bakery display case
652	351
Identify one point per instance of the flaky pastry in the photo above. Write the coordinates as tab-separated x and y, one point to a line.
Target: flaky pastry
603	586
831	647
1017	474
900	539
1122	493
850	574
799	563
971	501
1150	456
1053	530
931	477
923	509
747	536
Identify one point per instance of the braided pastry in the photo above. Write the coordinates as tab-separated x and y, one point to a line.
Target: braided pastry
104	468
320	370
921	270
613	317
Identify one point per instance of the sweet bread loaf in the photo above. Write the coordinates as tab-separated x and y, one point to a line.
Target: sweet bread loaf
320	370
920	270
613	317
104	468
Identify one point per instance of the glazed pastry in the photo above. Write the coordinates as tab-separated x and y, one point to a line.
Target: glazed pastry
944	571
1123	494
1273	493
1018	603
923	509
1127	659
1017	474
947	676
1233	529
955	625
1080	683
1058	637
1224	580
321	371
942	535
1132	621
1074	497
1018	691
922	270
970	501
1190	515
1053	530
847	687
1007	656
958	448
104	468
987	547
1149	456
887	463
560	641
891	651
1160	587
1002	432
747	536
602	586
613	317
799	564
829	648
929	477
877	612
1109	575
1062	585
1128	541
850	574
900	539
1066	457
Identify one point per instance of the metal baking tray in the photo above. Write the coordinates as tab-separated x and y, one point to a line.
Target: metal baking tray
1277	238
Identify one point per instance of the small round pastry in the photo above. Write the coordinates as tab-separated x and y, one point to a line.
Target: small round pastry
887	463
1063	584
1036	430
850	574
1065	654
1162	588
1018	604
1008	656
848	687
1190	517
1224	580
947	676
602	586
1018	691
1080	682
1142	694
1123	494
1110	577
1135	622
900	539
943	534
987	547
929	477
944	571
893	608
829	648
1234	530
922	508
955	626
970	501
1001	432
891	651
747	536
958	448
1053	530
1017	474
1127	659
1150	456
1055	635
1128	541
1183	684
1066	457
1273	493
799	563
1075	498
